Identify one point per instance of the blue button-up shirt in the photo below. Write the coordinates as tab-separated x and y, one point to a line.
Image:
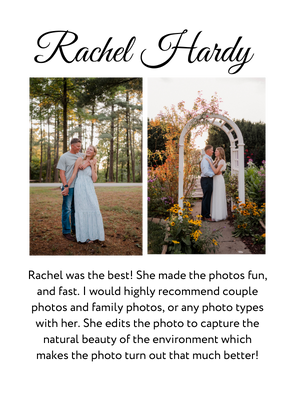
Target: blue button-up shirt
206	167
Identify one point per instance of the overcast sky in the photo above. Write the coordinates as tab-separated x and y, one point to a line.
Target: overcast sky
242	97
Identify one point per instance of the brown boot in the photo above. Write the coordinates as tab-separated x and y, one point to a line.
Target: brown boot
69	237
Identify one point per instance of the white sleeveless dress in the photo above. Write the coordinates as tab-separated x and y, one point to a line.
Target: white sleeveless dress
88	218
218	199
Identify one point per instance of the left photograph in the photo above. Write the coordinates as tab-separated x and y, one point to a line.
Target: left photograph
85	144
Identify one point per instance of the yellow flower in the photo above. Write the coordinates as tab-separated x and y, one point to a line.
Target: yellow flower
175	241
214	242
180	213
263	235
172	223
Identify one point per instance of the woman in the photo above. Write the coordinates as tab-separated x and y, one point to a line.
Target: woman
89	223
218	199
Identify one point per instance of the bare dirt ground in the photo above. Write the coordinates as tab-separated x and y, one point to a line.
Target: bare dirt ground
121	209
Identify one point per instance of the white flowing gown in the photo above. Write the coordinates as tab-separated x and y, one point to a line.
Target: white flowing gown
218	199
88	218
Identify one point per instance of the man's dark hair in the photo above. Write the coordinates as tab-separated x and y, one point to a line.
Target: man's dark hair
208	147
75	140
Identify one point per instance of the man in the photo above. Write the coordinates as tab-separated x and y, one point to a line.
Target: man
66	165
207	183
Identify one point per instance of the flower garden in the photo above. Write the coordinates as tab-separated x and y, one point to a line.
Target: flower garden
183	233
248	218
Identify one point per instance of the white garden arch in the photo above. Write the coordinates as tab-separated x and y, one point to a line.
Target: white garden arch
236	150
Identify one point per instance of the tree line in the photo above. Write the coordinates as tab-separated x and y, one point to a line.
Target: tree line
105	112
253	135
254	140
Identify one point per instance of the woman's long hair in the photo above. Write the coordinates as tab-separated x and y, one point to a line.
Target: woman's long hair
95	152
221	156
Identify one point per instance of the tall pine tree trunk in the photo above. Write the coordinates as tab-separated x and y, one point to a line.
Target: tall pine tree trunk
65	115
117	154
41	156
48	168
143	154
107	170
127	135
31	147
111	173
57	147
92	126
132	154
80	128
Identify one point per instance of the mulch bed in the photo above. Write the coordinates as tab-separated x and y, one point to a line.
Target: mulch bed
255	248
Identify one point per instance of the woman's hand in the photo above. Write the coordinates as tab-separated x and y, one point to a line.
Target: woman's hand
209	161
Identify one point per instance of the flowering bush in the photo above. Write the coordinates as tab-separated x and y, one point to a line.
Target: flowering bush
255	183
187	235
246	218
264	176
172	121
231	185
157	201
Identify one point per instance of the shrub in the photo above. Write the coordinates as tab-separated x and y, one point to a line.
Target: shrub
231	187
246	218
189	236
158	201
255	183
264	176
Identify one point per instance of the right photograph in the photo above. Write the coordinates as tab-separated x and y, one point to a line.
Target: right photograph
206	166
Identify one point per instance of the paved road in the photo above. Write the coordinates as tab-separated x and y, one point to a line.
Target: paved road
54	184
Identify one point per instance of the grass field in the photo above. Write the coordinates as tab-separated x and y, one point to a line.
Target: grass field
121	210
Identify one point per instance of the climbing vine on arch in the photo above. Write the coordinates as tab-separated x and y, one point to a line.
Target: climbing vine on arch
165	163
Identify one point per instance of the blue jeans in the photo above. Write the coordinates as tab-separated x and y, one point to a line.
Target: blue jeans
68	209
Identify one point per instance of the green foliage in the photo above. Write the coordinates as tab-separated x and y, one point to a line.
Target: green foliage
254	140
189	236
231	185
254	184
156	235
35	169
156	144
246	218
158	201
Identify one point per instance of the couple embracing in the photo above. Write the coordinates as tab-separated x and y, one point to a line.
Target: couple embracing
214	206
81	217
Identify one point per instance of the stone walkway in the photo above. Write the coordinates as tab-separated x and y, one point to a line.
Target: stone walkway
227	243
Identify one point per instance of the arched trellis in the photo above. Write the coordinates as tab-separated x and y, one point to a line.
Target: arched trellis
236	150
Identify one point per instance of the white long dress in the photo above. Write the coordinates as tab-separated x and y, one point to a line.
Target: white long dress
88	218
218	199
